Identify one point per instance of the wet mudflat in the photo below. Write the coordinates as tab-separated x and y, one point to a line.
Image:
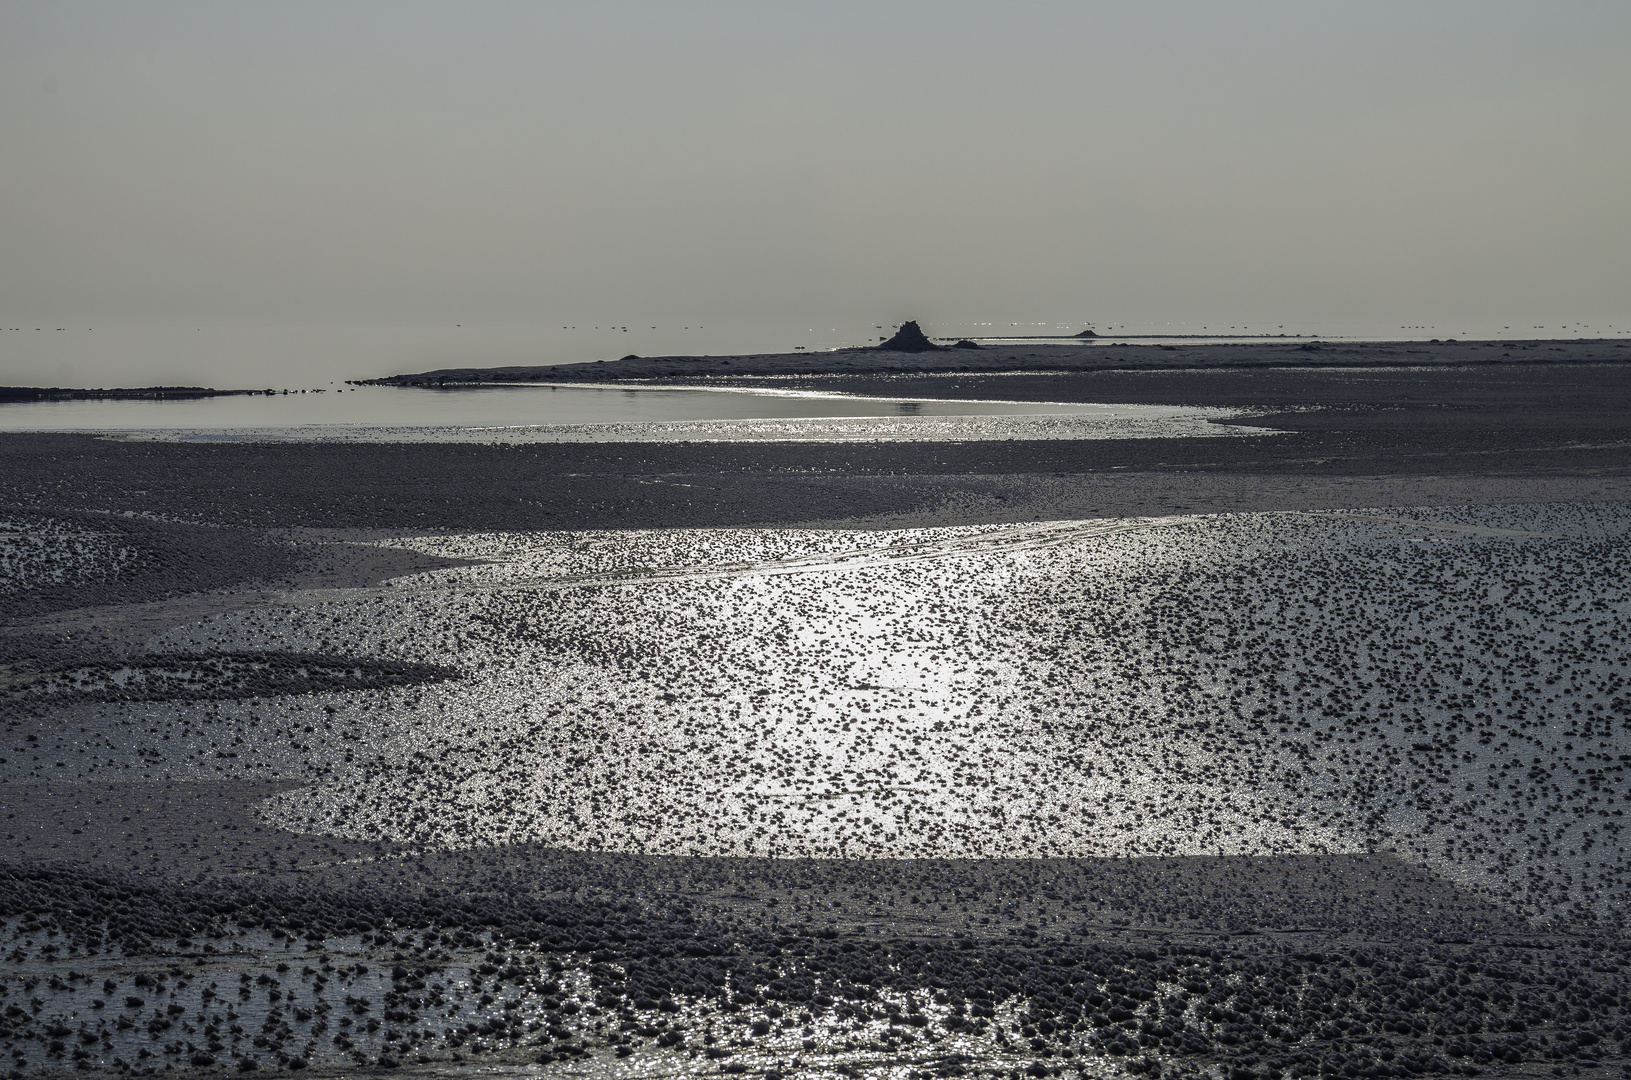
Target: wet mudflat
1431	698
883	760
1449	685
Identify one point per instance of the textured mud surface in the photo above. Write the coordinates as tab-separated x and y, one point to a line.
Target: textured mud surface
788	968
1243	685
1301	756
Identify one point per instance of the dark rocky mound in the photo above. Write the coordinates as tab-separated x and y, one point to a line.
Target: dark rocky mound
966	344
910	338
1087	333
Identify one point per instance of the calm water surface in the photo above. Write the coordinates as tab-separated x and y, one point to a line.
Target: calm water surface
615	413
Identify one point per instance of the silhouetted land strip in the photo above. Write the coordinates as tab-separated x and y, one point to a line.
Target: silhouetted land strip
132	393
998	357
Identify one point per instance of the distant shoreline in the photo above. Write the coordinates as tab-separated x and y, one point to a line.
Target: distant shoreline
1114	355
136	393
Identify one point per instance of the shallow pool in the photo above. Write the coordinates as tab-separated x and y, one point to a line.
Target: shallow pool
574	413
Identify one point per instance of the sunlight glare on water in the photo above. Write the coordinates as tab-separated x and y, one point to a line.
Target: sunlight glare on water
581	413
1237	684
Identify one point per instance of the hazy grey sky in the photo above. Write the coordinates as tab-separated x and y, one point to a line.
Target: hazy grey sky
286	162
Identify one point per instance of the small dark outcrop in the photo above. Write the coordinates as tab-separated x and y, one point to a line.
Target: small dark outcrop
910	338
1086	333
966	344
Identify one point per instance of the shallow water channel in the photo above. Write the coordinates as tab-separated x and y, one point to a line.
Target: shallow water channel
588	413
